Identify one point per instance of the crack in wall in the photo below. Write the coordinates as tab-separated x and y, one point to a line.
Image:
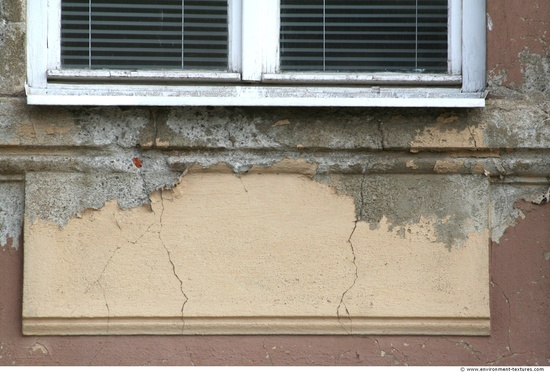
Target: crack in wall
190	354
98	280
509	347
98	283
96	354
342	303
398	360
107	306
379	348
163	234
242	183
389	355
185	298
470	348
267	356
113	254
501	357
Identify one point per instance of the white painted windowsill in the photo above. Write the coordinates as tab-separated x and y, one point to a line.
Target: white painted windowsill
250	95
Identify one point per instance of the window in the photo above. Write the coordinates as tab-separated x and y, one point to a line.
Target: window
364	36
138	35
257	52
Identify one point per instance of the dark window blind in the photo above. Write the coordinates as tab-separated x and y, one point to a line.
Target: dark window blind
364	35
144	34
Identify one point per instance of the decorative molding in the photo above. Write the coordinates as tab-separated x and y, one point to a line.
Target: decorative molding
256	325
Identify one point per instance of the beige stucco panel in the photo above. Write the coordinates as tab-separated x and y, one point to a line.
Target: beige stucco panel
104	263
267	246
414	275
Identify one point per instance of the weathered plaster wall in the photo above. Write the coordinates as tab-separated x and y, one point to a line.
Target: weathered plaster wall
520	334
55	163
518	45
267	252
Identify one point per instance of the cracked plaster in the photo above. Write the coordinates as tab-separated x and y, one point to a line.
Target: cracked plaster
440	198
505	197
517	122
326	264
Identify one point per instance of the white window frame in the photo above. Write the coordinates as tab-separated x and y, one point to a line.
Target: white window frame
253	78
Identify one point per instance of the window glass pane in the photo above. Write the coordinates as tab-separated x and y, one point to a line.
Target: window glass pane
144	34
364	35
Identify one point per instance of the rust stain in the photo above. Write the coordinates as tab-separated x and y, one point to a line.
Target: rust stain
137	162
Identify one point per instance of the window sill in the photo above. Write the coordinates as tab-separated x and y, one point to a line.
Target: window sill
250	95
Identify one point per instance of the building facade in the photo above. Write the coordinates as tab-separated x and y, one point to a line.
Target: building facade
251	235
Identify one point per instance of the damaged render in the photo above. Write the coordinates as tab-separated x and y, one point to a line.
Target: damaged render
338	216
231	227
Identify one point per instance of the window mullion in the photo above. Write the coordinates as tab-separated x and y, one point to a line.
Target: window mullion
474	45
235	38
37	40
252	34
182	34
54	34
455	37
270	37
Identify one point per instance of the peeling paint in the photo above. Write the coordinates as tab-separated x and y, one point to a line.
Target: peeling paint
529	329
58	197
448	166
505	212
470	137
11	213
67	195
411	164
75	164
261	245
522	27
404	199
154	236
38	347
